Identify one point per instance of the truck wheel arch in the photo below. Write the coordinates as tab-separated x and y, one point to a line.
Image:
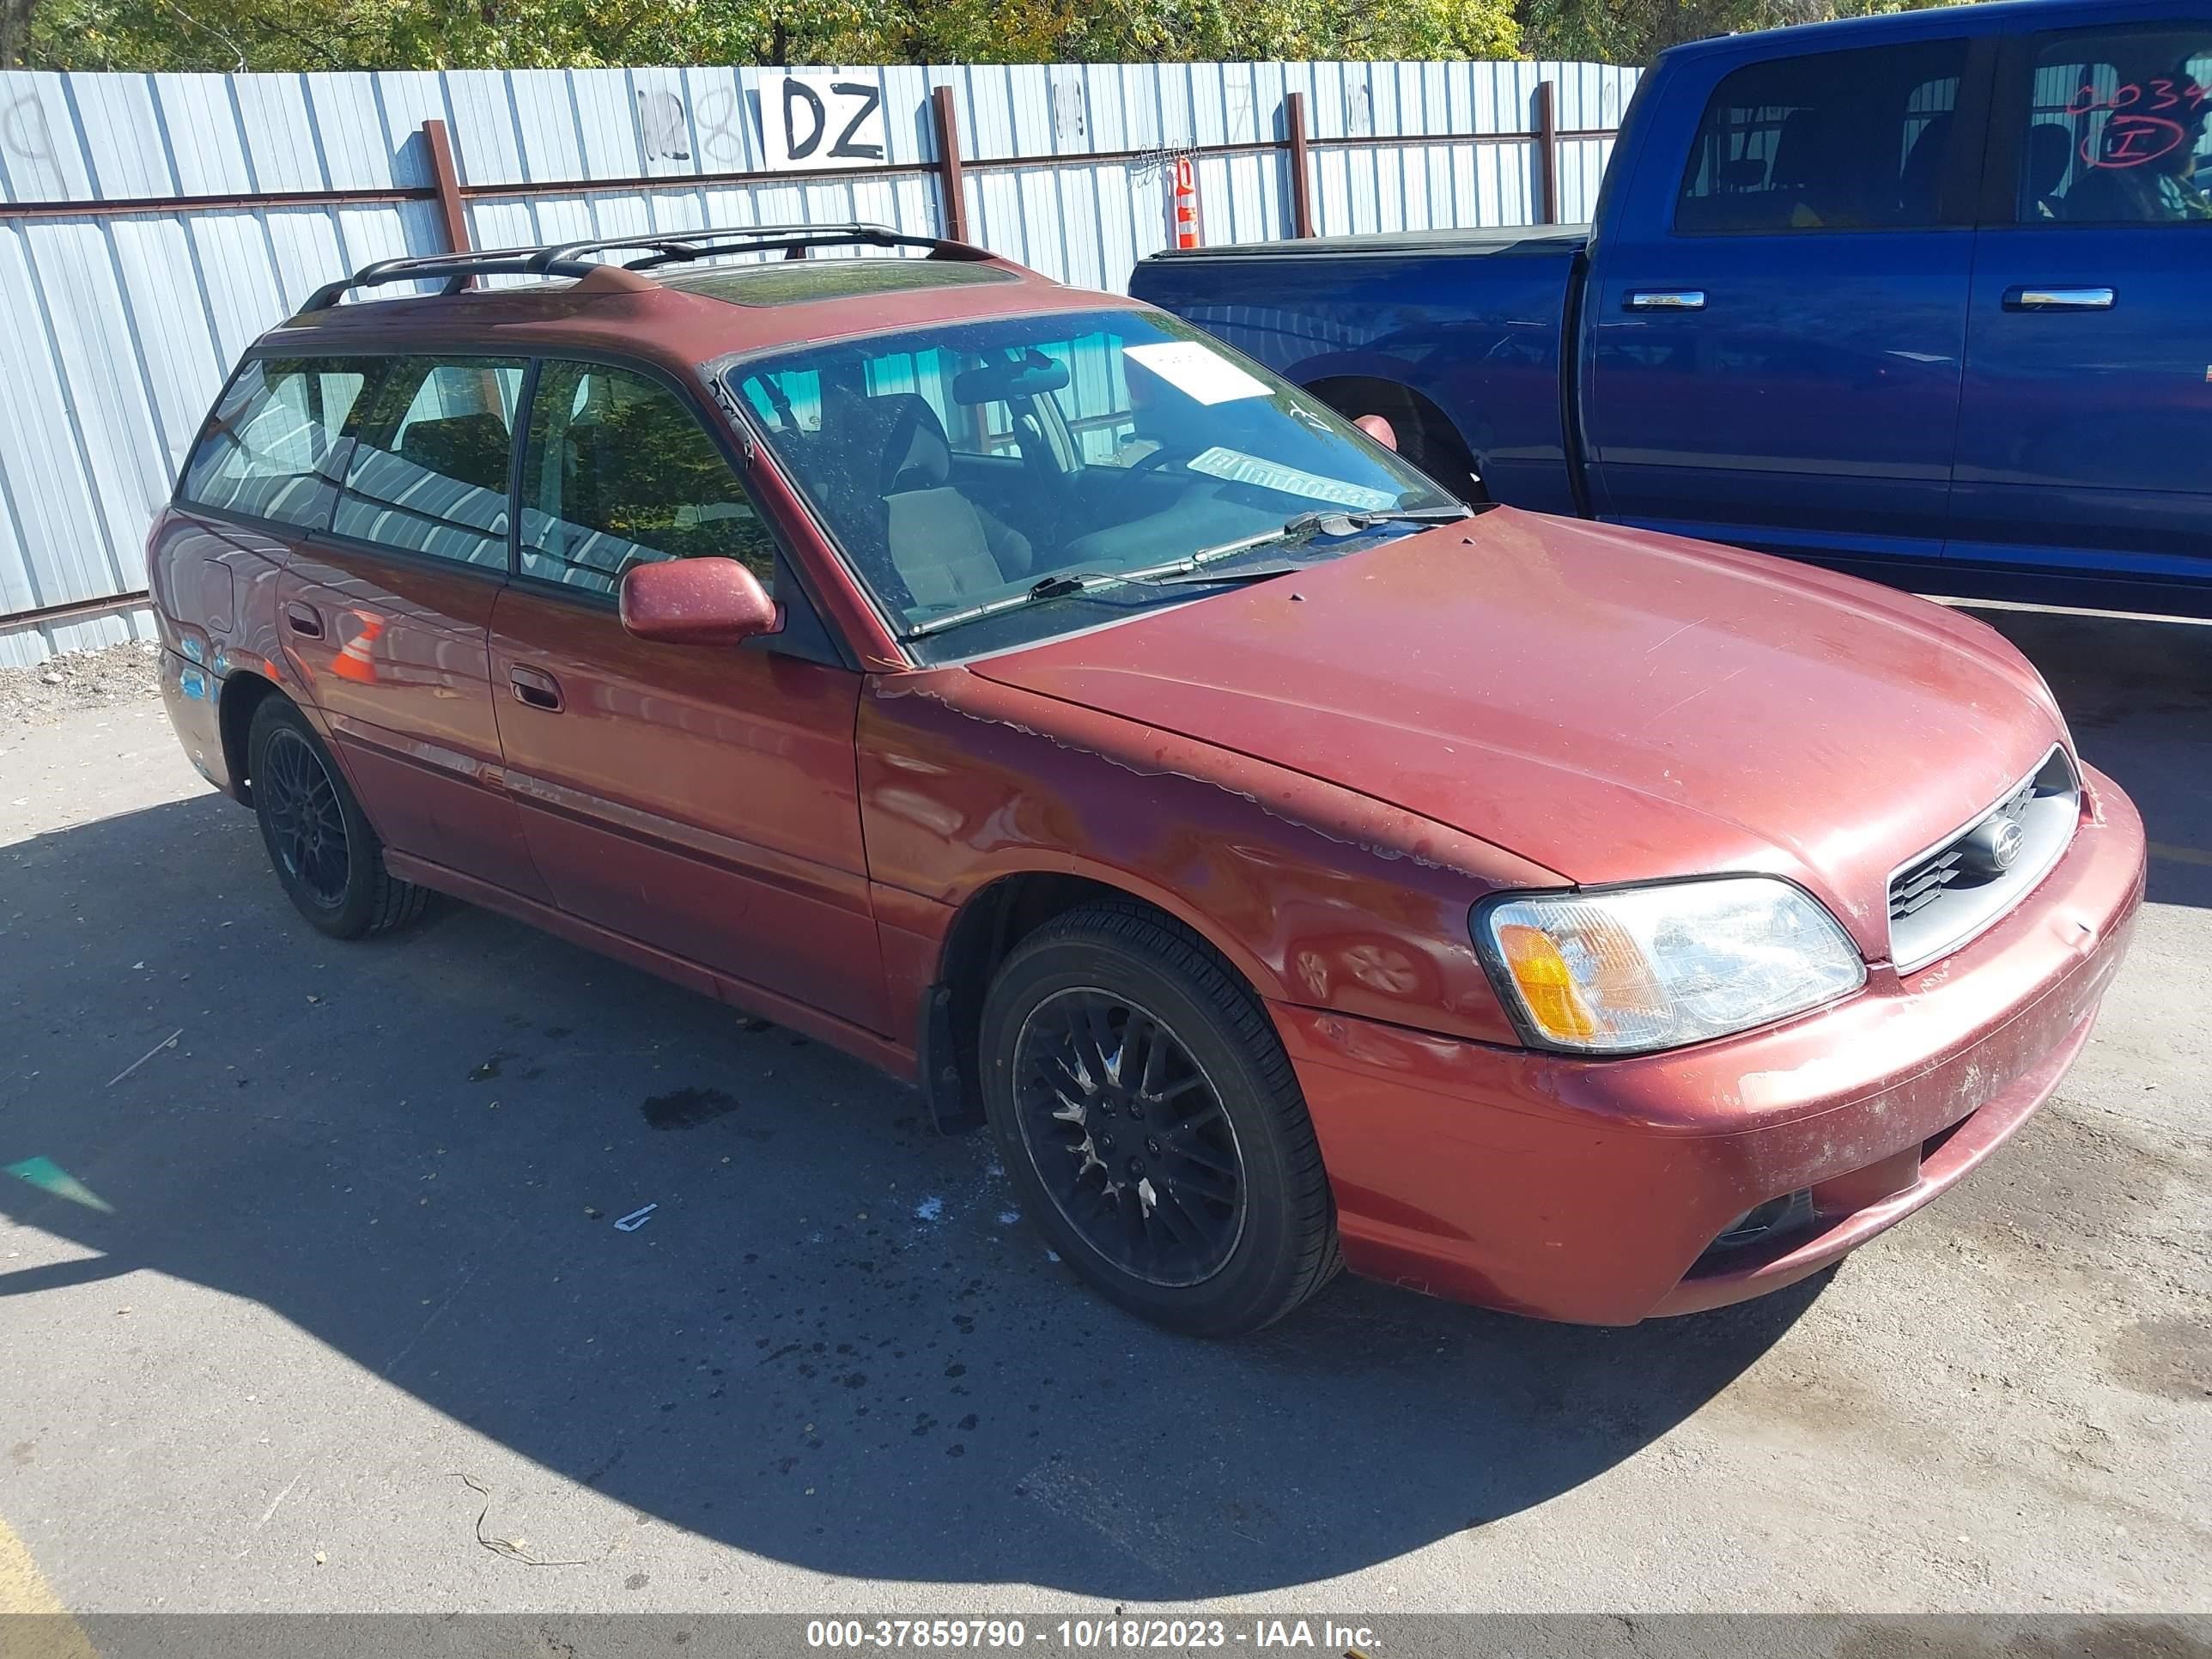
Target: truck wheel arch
1426	436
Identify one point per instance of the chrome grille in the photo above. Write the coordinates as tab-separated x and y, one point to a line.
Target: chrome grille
1951	893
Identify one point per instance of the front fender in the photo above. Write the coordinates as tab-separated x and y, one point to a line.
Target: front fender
1320	896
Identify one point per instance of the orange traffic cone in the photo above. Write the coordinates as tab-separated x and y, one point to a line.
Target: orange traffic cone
1185	202
354	661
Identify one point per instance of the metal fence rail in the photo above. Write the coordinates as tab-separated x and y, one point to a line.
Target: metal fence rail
152	225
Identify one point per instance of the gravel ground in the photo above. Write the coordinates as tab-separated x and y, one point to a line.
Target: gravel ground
116	677
317	1306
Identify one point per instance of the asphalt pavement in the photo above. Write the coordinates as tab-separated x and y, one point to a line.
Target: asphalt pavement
312	1298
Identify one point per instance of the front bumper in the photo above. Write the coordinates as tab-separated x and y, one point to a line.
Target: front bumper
1590	1190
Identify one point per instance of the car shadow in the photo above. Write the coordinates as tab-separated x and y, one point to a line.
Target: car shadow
833	1342
2137	693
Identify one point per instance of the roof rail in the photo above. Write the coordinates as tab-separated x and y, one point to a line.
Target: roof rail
664	247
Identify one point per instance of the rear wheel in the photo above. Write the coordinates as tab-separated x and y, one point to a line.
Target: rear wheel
1151	1117
325	855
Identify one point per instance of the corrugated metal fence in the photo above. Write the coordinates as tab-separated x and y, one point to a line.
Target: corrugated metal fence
154	225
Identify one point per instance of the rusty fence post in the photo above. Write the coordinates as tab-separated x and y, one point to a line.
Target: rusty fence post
1547	152
1294	135
947	120
448	183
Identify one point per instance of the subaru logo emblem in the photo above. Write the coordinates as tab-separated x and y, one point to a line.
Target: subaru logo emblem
1993	845
2005	844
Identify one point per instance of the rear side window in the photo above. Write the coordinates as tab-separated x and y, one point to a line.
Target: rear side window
428	468
619	472
2117	128
1835	141
271	445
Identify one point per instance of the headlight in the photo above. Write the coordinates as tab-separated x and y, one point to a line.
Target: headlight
1644	967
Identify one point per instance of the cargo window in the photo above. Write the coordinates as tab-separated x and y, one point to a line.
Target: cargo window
428	469
619	472
2116	130
266	451
1834	141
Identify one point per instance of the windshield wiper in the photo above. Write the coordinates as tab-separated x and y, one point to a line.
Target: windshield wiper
1052	587
1328	521
1178	572
1242	573
1331	521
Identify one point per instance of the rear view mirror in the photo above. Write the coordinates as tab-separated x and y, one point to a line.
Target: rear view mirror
697	602
1379	429
1034	375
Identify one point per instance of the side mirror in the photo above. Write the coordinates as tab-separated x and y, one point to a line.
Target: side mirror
697	602
1379	429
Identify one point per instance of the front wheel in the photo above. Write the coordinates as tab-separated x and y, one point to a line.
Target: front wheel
1150	1117
327	858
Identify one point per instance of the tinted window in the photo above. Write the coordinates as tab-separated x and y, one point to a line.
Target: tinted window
618	472
1838	141
2117	128
427	471
266	449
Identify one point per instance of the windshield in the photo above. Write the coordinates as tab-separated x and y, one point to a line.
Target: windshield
994	483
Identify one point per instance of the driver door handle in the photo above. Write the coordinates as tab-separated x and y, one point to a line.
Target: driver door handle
1665	298
535	687
2029	297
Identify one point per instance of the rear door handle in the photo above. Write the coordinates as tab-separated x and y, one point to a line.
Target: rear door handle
535	687
304	619
2028	297
1665	298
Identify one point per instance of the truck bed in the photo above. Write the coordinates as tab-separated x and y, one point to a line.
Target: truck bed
1466	320
1521	240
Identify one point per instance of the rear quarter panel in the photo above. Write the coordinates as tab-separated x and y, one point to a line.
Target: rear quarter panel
213	585
1476	333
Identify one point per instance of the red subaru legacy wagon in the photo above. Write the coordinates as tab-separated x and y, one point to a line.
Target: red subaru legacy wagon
1010	684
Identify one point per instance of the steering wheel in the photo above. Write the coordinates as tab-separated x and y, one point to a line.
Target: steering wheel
1159	458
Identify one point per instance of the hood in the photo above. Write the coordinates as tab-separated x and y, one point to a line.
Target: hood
1612	705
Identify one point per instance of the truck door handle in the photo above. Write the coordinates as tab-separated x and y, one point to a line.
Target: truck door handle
535	687
1665	298
2030	298
304	619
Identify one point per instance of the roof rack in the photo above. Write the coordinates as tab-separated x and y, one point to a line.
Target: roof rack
676	247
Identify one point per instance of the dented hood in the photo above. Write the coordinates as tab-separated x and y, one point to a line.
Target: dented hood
1612	705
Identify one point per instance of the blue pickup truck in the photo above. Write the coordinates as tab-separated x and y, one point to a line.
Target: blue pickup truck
1925	296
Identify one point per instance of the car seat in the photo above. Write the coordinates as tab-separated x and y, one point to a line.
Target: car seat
941	548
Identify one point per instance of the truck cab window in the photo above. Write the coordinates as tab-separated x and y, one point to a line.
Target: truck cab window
1835	141
2117	128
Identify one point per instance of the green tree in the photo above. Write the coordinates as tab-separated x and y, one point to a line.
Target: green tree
1635	31
326	34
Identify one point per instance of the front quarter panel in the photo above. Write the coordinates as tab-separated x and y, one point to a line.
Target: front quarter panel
1318	897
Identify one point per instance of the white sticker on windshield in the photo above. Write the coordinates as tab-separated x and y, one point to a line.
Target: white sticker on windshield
1195	372
1237	467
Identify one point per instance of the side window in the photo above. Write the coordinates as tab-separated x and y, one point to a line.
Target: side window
2117	128
267	448
429	469
1835	141
619	471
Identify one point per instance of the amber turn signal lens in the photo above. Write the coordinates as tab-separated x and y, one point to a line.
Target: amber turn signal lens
1547	988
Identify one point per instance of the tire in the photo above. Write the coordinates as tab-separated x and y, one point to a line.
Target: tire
1219	1091
326	857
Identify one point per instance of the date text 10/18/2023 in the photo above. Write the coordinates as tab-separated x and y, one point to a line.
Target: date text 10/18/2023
1093	1635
